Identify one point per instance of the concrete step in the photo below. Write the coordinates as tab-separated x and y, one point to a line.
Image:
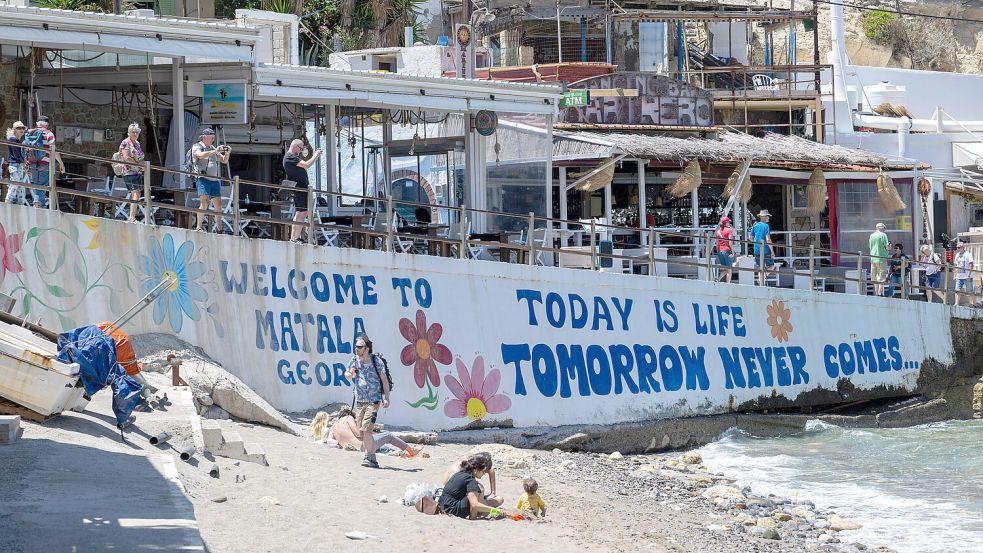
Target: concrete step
231	445
255	454
211	433
9	428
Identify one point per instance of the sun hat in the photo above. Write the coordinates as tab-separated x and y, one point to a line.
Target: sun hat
764	213
207	132
724	219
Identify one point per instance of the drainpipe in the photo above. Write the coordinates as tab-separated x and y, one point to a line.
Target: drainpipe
904	127
843	120
679	50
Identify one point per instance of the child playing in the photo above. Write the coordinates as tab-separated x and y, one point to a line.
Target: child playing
530	501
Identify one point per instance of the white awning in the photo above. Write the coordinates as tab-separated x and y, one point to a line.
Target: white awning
389	90
93	32
967	154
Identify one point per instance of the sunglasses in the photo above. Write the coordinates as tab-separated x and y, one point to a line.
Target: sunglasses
359	347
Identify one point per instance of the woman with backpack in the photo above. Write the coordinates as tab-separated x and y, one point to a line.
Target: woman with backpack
16	163
130	151
371	383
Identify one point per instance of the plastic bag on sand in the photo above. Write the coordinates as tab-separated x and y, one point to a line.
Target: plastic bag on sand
416	491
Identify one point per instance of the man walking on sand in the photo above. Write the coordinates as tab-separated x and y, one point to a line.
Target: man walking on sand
371	393
878	258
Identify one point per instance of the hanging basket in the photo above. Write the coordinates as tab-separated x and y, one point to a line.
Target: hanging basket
888	194
816	192
689	180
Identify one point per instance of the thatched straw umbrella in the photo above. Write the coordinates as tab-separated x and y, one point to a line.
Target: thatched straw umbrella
816	192
689	180
744	195
888	194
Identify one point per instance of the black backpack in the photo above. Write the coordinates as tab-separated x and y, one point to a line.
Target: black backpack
385	370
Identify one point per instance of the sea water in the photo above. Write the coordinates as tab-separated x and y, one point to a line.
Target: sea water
916	489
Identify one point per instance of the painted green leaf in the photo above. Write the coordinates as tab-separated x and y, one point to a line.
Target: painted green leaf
42	259
26	308
66	323
58	291
126	276
79	275
114	305
59	261
32	233
73	232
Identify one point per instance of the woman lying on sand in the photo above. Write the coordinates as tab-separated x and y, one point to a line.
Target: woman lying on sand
345	434
462	495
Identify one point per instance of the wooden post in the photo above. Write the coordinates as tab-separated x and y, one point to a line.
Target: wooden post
904	279
388	246
761	264
531	242
236	227
52	180
812	266
148	217
945	277
463	253
311	226
593	245
861	277
709	252
651	252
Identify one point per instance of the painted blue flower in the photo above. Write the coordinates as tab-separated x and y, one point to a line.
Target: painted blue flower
178	299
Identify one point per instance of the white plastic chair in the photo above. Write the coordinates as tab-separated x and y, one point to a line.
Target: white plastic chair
119	190
474	250
763	82
326	229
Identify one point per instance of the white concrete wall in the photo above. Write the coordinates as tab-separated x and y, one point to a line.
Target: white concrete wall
465	340
957	93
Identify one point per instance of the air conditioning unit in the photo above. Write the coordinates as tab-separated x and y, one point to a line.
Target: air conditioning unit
16	3
149	14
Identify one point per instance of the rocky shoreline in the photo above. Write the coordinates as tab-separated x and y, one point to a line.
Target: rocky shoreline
736	519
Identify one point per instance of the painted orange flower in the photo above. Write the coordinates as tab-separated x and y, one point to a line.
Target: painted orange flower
98	226
423	349
778	320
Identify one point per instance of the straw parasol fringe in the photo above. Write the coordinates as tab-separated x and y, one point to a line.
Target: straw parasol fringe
745	192
689	180
816	192
888	194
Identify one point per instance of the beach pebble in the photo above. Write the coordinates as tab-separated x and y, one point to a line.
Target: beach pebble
691	458
383	499
821	524
220	499
765	533
269	499
702	479
568	465
765	522
782	517
717	528
727	492
616	456
358	535
838	524
828	538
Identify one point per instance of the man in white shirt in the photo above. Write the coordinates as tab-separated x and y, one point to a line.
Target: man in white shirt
964	274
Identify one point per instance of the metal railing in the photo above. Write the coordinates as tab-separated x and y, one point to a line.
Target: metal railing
540	240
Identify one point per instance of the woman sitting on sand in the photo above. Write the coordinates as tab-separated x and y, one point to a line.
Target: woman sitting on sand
345	434
462	496
491	498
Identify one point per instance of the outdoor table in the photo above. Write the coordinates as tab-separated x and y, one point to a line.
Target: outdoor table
78	184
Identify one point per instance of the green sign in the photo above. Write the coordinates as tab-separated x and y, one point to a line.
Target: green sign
574	99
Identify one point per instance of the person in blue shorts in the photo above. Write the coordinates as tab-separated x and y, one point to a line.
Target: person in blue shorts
208	160
761	236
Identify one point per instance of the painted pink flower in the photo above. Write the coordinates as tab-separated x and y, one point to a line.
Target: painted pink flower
476	394
9	245
423	350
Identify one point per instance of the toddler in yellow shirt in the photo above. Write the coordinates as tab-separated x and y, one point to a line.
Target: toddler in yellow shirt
530	501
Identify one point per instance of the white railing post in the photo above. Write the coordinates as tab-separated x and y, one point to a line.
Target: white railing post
148	203
52	180
904	279
709	252
761	263
531	243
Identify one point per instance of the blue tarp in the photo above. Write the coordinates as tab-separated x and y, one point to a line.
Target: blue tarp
95	352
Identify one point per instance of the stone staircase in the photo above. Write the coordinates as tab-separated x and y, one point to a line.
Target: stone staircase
227	443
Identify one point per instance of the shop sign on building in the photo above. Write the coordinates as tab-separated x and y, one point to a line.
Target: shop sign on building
653	100
223	103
